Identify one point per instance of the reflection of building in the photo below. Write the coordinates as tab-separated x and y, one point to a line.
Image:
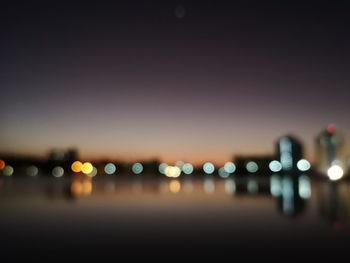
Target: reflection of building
334	205
289	151
329	149
291	193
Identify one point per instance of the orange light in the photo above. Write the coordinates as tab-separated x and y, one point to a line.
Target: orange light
2	164
87	168
174	186
76	166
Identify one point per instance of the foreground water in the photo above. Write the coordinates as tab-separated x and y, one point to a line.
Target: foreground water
104	216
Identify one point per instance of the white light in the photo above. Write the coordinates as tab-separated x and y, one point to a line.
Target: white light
58	171
335	172
32	170
179	164
303	165
275	166
230	167
110	168
8	170
187	168
137	168
208	168
223	173
252	167
172	171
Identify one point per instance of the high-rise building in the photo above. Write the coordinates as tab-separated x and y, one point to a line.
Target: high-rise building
329	149
289	151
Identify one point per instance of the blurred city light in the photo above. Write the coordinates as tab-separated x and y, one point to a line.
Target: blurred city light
8	170
162	167
76	166
2	164
222	173
208	168
335	172
174	186
275	166
87	168
137	168
303	165
93	172
172	171
110	168
230	167
32	170
187	168
58	171
252	167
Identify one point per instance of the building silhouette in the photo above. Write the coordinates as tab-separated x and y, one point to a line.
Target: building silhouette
289	151
329	149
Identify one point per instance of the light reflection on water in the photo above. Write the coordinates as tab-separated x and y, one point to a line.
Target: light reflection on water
235	208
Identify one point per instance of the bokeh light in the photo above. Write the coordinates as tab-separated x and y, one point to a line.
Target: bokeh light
275	166
303	165
2	164
187	168
76	166
230	167
110	168
137	168
222	173
208	168
32	170
252	167
58	171
172	171
335	172
8	170
87	168
174	186
162	167
93	172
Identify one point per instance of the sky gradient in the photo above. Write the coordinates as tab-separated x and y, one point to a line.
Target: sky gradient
139	80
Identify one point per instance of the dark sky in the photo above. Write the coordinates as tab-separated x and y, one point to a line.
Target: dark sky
171	79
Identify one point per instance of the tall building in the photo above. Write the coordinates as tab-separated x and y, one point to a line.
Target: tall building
329	149
289	151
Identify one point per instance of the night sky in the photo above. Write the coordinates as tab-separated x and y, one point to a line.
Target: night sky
172	80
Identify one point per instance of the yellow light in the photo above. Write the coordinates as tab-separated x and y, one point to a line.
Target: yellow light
2	164
87	168
76	166
174	186
172	171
